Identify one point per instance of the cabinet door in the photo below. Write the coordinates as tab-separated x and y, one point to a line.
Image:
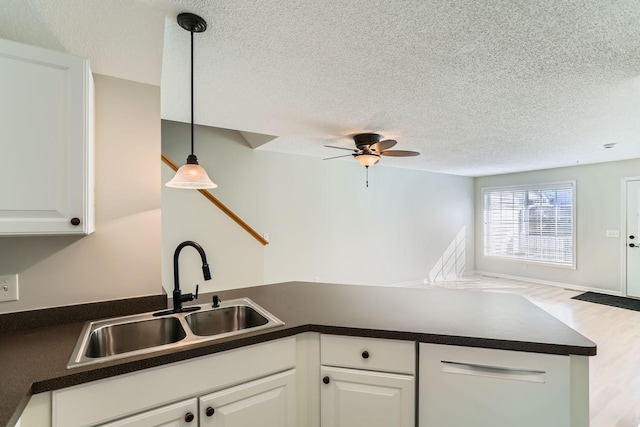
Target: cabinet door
46	142
182	414
268	402
351	397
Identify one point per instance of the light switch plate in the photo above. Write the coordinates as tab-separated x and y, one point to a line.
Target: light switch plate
9	288
613	233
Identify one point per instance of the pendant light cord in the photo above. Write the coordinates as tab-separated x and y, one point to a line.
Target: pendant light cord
191	92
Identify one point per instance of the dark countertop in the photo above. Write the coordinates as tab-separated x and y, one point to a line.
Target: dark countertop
34	360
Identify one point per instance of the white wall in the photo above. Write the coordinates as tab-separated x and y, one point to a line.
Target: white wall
598	200
321	219
121	259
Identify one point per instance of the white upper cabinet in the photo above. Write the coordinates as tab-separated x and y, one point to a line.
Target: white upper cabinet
46	142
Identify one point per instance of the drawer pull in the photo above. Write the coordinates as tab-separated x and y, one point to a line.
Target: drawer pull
526	375
189	417
326	380
365	354
210	411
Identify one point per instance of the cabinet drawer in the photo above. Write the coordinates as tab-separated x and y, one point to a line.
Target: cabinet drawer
368	353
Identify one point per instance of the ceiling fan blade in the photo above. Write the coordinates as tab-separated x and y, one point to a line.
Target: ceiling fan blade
383	145
341	148
400	153
337	157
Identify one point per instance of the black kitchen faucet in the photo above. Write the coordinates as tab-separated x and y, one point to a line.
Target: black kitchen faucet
178	297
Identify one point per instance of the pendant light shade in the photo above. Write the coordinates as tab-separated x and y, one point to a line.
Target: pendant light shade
191	175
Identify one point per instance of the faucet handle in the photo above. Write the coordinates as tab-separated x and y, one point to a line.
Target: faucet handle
189	297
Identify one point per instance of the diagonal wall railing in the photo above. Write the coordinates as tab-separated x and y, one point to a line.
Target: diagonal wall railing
221	206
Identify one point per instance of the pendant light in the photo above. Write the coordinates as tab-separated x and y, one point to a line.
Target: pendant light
191	175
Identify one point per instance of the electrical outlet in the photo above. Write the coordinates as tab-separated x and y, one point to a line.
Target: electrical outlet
613	233
9	288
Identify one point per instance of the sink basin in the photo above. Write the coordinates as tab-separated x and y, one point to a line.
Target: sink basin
126	337
111	339
224	320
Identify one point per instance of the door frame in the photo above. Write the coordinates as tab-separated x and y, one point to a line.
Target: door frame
623	231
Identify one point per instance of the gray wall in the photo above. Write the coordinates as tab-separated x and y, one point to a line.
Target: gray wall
121	258
599	208
321	220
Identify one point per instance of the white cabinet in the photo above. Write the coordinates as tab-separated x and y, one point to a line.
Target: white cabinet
268	402
464	386
139	392
336	381
46	142
353	397
367	382
181	414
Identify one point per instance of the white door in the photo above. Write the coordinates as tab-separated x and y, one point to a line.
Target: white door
352	397
633	239
182	414
268	402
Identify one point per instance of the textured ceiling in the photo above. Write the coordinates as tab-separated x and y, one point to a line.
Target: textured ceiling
479	87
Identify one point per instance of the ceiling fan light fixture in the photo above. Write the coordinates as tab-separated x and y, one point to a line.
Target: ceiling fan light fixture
367	160
191	176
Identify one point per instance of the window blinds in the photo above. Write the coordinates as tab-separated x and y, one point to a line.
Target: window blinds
533	223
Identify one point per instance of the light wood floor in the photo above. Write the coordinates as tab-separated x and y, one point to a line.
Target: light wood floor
614	390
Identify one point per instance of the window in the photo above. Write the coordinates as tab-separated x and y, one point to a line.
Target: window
531	223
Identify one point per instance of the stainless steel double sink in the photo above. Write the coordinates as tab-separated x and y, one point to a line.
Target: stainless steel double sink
116	338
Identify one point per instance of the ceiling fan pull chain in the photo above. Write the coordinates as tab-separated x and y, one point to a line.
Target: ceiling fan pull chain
367	168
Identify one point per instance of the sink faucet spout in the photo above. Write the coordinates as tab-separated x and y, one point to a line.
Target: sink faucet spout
178	297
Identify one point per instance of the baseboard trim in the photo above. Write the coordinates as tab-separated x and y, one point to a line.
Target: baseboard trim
550	283
423	282
465	273
405	284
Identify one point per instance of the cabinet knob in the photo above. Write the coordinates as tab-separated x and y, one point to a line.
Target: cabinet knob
326	380
210	411
365	354
632	245
188	417
75	221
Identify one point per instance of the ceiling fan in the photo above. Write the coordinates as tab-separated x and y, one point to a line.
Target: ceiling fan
369	148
